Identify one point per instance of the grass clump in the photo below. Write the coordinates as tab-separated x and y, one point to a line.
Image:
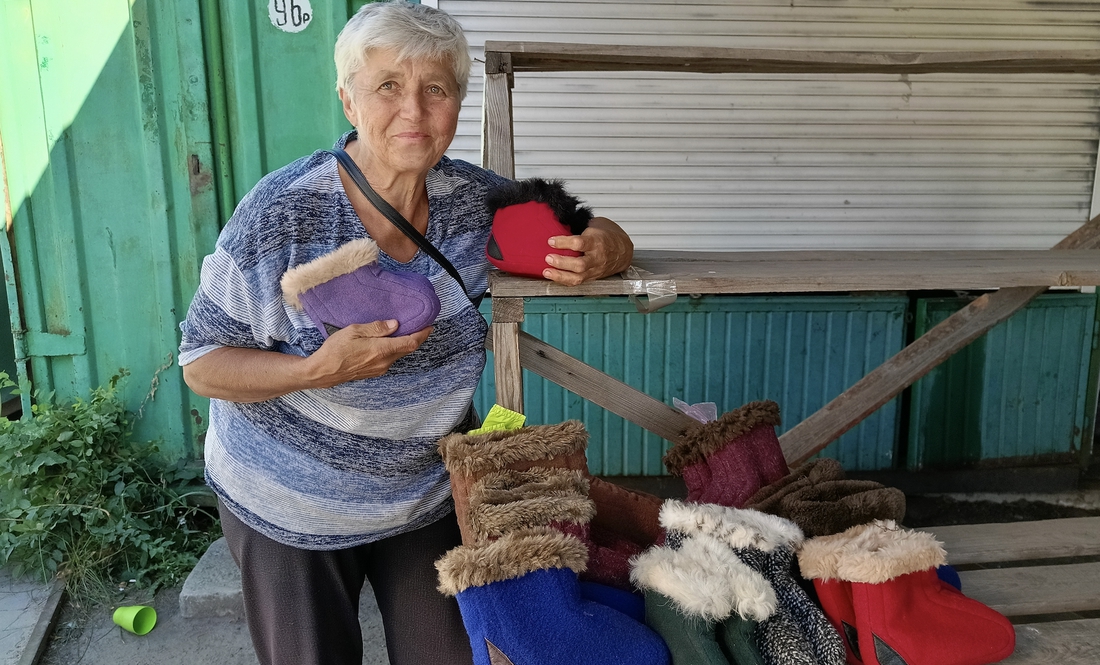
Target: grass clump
81	500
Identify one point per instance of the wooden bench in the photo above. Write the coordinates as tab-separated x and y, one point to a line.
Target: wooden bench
1042	575
1017	276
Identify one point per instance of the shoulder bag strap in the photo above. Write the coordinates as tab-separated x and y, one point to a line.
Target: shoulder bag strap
402	224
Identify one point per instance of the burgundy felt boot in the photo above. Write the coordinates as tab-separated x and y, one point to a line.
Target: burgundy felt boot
728	460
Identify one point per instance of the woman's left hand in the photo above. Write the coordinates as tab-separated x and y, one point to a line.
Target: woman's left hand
605	250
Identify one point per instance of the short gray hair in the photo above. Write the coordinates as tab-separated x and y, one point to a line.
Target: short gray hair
414	31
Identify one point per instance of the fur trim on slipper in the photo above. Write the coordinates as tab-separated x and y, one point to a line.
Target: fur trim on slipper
705	579
737	527
883	551
507	500
507	485
513	555
346	258
818	558
567	208
469	454
704	439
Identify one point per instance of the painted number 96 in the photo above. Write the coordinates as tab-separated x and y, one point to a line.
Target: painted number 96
290	15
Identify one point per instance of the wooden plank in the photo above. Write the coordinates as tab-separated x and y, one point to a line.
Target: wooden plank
914	361
823	271
507	370
1019	541
497	148
1034	590
549	56
601	389
1074	642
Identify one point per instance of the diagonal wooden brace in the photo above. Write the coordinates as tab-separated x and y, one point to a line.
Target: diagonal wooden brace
914	361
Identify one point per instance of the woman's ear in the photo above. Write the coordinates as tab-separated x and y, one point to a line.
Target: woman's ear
349	107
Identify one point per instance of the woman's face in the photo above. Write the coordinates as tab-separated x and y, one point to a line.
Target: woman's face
406	112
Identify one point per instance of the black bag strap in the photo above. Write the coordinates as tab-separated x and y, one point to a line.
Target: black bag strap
402	224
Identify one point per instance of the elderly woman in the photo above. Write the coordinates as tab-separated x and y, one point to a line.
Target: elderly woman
322	451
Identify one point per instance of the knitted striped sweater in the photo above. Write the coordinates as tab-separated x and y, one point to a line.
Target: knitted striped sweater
337	467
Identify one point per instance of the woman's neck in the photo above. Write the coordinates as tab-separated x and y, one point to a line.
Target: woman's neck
404	190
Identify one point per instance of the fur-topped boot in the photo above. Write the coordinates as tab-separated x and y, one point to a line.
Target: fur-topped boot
882	579
348	286
798	631
625	521
821	501
703	600
815	471
521	604
470	457
728	460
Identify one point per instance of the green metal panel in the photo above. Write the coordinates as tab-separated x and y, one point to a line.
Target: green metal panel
280	87
799	351
1019	391
108	164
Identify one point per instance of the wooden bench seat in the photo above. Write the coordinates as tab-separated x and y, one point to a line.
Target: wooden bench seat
1029	569
825	271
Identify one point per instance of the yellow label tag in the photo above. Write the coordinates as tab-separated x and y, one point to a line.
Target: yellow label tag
500	418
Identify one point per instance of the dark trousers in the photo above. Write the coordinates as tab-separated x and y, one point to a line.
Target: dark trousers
302	606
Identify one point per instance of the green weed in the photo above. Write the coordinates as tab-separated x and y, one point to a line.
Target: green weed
81	500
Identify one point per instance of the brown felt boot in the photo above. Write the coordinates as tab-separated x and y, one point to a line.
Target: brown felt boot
469	457
836	505
815	471
625	523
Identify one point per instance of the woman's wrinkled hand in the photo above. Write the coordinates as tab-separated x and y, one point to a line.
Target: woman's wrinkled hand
361	351
605	250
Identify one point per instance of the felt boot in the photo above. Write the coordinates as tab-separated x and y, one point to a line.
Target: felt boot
704	601
728	460
798	632
815	471
906	615
819	559
506	500
832	506
521	605
625	521
469	457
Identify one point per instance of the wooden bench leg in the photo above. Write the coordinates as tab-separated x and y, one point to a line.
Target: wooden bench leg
507	315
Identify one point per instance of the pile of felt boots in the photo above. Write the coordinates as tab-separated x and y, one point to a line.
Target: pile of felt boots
540	577
884	594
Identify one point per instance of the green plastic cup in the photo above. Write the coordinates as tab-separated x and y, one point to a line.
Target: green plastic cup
138	619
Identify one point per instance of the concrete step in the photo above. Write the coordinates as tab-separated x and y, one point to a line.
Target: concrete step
213	588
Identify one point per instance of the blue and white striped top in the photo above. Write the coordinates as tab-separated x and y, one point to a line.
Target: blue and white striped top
338	467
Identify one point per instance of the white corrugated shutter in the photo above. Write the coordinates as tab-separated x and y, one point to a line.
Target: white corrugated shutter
722	162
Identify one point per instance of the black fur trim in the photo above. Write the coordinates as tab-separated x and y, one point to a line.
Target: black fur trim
568	209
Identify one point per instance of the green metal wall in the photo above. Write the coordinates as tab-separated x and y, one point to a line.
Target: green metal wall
1019	391
107	157
797	350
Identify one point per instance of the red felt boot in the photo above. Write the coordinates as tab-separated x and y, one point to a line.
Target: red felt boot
726	461
906	615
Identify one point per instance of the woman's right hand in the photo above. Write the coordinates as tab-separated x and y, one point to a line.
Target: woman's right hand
361	351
